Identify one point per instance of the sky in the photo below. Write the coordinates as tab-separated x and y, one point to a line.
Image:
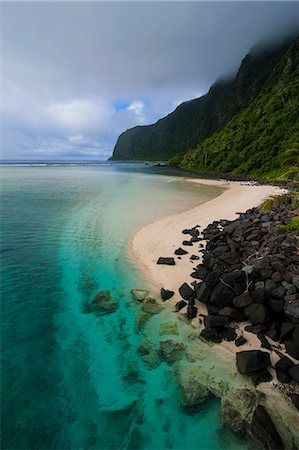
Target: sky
74	75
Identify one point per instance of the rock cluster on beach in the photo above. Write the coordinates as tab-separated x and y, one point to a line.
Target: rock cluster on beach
249	273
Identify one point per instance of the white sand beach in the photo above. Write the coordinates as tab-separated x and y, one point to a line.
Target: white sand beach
161	238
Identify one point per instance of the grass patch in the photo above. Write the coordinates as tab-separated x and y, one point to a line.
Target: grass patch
290	227
289	200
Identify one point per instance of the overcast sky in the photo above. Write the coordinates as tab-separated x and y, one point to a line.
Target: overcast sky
77	74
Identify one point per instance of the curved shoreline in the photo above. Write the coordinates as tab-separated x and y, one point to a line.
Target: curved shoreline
161	238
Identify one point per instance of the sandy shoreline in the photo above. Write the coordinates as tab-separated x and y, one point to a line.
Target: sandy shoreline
161	238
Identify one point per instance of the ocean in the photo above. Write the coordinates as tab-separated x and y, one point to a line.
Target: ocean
72	380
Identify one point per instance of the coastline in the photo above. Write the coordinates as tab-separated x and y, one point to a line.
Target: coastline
161	238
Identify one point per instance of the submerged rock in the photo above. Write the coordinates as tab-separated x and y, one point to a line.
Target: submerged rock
171	350
264	431
169	327
193	386
140	321
102	303
152	306
139	294
237	408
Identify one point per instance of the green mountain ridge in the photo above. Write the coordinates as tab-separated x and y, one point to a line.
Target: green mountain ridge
197	120
262	140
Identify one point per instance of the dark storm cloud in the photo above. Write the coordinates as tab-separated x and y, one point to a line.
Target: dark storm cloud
77	74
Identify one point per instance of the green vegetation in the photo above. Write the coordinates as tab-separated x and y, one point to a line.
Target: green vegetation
288	200
262	140
292	226
196	120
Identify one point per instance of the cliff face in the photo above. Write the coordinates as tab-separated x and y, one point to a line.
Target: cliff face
262	140
195	120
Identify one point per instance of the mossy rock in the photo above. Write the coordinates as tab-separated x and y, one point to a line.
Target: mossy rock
102	303
140	294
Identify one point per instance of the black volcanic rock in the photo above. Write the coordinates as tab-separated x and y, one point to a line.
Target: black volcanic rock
243	300
262	376
166	260
202	292
264	342
216	321
222	295
284	364
256	313
240	341
166	294
186	292
180	305
211	334
228	334
292	349
180	251
252	361
294	372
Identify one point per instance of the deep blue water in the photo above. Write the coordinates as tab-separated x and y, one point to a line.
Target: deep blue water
72	380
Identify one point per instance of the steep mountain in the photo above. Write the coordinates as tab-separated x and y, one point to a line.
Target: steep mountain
263	139
196	120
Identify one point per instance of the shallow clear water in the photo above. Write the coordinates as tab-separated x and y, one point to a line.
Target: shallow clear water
71	380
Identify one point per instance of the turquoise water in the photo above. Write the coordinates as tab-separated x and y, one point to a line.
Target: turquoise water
72	380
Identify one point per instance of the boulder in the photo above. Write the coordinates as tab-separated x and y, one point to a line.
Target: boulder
152	306
188	243
216	321
193	387
222	295
242	300
276	304
292	349
264	431
194	257
211	334
286	331
212	278
229	334
166	294
259	295
180	251
255	329
235	314
171	350
202	292
186	292
262	376
237	408
284	364
263	269
264	342
291	309
278	292
166	260
180	305
169	327
102	303
139	294
191	311
240	341
252	361
256	313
